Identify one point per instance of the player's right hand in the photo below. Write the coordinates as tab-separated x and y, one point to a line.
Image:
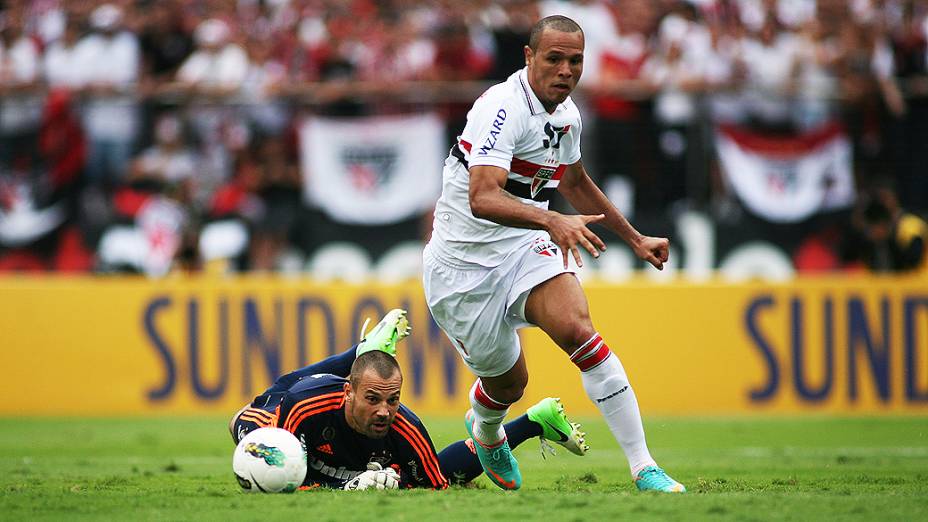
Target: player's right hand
570	232
374	477
654	250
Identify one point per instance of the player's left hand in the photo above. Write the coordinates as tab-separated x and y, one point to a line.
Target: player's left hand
654	250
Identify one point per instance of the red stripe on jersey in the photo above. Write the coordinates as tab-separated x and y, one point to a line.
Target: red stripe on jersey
522	167
422	449
529	169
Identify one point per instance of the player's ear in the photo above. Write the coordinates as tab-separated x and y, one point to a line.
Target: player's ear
347	390
528	54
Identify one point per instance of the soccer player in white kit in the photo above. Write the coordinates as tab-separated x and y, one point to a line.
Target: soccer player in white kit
499	260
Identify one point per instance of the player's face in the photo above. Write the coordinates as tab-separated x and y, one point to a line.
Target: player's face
555	68
371	406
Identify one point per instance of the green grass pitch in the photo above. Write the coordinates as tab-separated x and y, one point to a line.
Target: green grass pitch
736	469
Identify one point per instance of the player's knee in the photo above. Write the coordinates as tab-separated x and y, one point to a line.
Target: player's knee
579	332
511	394
513	391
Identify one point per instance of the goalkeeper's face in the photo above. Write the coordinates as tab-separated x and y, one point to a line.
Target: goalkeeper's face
371	405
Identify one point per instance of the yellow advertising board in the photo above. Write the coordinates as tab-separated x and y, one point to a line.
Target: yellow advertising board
117	346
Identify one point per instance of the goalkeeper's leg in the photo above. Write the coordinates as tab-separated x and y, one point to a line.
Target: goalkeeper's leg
393	328
545	420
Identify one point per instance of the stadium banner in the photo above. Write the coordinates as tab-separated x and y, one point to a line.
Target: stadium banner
786	179
372	170
190	345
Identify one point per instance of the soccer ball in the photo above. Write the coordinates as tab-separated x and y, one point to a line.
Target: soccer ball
269	460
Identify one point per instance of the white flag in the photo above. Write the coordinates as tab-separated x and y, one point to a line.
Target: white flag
787	179
375	170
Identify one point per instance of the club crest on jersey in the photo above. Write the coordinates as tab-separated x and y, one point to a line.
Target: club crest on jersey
542	177
543	247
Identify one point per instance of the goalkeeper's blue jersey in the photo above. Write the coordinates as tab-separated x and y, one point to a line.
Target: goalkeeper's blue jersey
312	408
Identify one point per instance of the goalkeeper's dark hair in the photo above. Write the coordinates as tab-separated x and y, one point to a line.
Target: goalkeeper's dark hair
555	22
382	363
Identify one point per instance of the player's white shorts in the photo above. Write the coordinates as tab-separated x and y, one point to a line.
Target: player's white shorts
481	308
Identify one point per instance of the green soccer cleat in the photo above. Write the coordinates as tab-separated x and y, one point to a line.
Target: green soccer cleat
497	461
393	328
556	427
653	478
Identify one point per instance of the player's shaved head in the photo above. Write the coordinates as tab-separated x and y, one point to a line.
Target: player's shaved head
555	22
383	364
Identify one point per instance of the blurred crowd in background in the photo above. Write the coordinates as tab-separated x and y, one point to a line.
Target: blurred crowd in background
153	136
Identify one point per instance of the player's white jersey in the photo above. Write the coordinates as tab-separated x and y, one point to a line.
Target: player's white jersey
508	128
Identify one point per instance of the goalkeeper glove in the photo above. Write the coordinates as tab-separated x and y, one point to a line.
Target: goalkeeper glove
374	477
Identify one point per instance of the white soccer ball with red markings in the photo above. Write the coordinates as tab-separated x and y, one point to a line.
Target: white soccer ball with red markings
269	460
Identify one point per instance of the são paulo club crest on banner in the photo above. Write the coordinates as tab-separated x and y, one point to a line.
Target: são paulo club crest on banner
372	170
786	179
369	168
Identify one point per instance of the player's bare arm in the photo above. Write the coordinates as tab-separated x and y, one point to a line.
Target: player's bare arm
490	201
580	191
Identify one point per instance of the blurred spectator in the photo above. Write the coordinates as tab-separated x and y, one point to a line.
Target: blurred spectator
218	65
911	51
772	66
62	66
623	138
211	76
164	41
724	68
271	174
168	166
36	202
674	75
511	27
109	60
818	54
457	58
20	104
263	81
872	100
893	240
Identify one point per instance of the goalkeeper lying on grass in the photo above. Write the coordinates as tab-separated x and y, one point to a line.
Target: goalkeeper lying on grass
357	434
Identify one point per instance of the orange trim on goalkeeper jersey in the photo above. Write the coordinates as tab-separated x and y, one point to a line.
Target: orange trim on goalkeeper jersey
311	406
423	448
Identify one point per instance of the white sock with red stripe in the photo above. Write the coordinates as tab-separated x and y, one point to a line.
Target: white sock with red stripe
488	416
607	385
